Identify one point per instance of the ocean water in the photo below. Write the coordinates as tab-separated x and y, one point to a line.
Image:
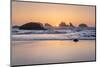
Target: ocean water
51	51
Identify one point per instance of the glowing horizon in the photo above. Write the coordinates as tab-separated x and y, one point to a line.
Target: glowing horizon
54	14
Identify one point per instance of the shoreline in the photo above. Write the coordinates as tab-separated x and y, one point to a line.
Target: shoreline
46	39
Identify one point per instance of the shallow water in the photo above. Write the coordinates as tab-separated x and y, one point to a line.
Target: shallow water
51	51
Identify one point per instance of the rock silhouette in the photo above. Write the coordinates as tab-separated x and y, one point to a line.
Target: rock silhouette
46	24
32	26
62	24
82	25
71	25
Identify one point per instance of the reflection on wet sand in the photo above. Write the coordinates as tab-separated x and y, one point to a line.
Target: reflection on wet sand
52	51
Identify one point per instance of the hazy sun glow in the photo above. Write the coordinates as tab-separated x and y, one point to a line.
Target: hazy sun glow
24	12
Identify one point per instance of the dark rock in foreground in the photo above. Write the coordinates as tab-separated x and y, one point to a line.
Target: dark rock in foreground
75	40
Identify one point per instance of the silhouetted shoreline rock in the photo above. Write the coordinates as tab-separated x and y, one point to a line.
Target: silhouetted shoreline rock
82	25
32	26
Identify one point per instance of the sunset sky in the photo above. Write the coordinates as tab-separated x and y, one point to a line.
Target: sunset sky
24	12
